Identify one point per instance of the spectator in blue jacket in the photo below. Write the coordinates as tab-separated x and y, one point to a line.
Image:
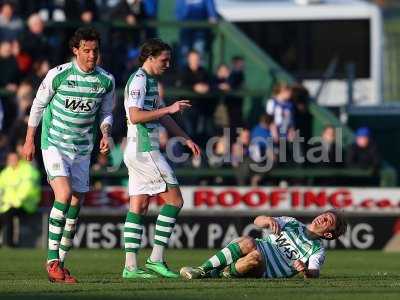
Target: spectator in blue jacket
195	38
150	8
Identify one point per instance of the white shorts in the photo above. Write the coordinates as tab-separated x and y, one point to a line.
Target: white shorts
149	172
60	165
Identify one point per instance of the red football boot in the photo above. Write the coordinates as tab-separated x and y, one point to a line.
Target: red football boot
55	272
68	278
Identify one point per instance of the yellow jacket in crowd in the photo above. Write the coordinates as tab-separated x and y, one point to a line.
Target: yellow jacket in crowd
20	187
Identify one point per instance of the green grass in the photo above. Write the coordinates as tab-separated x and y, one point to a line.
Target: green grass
346	275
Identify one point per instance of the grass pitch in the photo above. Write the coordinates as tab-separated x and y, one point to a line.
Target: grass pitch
346	275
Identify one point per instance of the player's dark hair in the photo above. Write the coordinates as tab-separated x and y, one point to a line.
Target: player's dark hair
152	47
341	224
84	34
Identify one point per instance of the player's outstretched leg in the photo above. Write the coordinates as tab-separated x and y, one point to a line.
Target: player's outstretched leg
67	239
164	225
133	230
54	270
247	266
223	258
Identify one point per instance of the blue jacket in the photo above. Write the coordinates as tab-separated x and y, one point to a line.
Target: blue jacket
195	10
150	7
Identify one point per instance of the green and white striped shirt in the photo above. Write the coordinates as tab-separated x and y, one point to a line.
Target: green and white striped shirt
74	103
141	91
280	251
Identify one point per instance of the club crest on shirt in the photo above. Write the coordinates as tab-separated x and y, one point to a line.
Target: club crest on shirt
95	87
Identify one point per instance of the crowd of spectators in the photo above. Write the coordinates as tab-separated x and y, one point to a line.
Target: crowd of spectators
29	48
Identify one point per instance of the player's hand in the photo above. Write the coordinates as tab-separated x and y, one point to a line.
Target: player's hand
179	106
193	147
268	222
273	225
299	266
106	143
28	150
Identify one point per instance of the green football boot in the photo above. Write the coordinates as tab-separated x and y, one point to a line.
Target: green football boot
160	268
192	272
137	274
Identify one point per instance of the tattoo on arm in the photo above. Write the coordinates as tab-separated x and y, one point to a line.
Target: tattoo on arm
106	130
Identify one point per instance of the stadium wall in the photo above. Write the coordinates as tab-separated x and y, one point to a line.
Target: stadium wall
212	216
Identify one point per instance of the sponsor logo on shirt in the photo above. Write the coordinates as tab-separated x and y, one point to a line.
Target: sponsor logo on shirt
78	105
71	83
286	248
56	167
135	93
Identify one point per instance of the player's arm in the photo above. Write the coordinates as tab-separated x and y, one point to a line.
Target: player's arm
268	222
303	269
313	267
43	96
136	92
106	119
175	130
138	115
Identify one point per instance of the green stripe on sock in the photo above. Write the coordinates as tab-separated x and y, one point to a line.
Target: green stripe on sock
134	230
52	254
132	240
61	206
54	236
221	258
166	224
236	253
170	211
132	217
69	234
162	233
57	222
233	271
73	212
157	242
207	266
137	219
134	250
64	247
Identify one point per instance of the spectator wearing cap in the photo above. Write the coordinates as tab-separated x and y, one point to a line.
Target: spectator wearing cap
363	153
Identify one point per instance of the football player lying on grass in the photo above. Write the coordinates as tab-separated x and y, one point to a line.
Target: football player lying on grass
291	248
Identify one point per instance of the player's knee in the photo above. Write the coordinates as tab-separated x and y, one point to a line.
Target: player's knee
63	195
247	244
143	206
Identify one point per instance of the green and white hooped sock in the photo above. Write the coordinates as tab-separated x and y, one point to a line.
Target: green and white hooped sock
164	225
56	227
223	258
133	230
69	232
